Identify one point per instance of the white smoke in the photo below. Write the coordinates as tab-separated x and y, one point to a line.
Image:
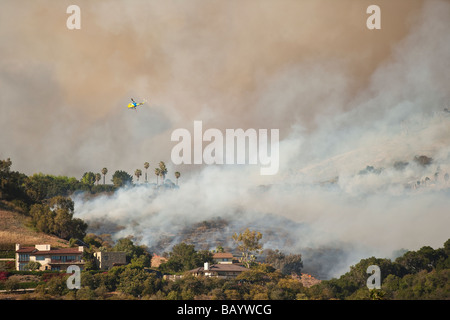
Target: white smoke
322	197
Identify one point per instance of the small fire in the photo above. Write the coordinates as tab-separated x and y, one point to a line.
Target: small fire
308	280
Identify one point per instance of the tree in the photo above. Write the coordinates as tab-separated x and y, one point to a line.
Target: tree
73	242
132	251
247	244
32	266
146	165
220	249
287	264
104	172
426	258
56	286
157	173
140	262
163	170
121	178
177	175
12	284
78	228
98	176
184	257
93	240
88	178
64	225
12	183
138	173
56	217
42	218
5	167
135	281
204	256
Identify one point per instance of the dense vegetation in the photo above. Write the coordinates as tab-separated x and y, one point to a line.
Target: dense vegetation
422	274
46	198
27	190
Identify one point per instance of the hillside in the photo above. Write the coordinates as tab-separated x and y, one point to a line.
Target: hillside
420	134
13	229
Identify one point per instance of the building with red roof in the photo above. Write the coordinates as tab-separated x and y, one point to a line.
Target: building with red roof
223	258
49	258
220	270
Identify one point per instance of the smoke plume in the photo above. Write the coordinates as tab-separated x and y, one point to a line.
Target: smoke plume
355	109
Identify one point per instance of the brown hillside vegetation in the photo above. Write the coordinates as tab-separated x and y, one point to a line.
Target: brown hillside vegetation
13	229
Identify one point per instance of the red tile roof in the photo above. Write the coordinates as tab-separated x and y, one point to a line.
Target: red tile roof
34	251
26	250
223	255
59	251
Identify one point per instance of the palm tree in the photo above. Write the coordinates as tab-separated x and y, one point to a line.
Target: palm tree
177	175
146	165
138	173
162	177
98	176
157	172
104	172
163	170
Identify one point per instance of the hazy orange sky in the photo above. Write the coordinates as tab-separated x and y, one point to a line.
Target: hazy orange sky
231	64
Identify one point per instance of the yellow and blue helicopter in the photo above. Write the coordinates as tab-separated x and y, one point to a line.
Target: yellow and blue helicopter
135	104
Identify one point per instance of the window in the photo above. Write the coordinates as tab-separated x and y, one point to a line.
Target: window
24	257
71	258
40	258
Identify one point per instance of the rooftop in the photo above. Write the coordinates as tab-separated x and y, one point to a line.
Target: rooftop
35	250
58	251
223	255
26	250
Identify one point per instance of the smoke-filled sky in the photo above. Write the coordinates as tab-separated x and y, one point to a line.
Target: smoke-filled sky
231	64
343	97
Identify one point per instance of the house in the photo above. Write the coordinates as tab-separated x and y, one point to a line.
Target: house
48	257
223	257
219	270
108	259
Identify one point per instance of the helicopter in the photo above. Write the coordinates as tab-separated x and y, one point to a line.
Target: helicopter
135	104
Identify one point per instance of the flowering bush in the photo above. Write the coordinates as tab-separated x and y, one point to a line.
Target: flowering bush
47	276
4	275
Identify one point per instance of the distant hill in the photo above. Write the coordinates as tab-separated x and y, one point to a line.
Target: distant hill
419	144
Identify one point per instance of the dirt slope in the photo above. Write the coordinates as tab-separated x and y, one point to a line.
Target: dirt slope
13	229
